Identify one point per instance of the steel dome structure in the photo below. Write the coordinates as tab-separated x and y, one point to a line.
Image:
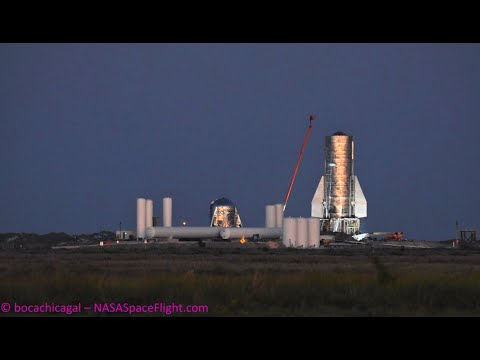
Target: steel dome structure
224	213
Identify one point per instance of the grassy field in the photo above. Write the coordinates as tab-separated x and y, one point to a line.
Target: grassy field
253	282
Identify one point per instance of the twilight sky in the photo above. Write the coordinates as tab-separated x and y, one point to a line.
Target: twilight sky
85	129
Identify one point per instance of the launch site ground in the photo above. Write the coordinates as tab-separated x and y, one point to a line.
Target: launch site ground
345	280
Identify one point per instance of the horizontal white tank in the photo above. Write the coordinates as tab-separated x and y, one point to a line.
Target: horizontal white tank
279	215
289	235
149	213
270	218
187	232
167	212
238	233
313	232
141	218
182	232
302	233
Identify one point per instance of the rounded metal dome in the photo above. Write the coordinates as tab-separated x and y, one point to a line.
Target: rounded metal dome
339	133
224	213
222	202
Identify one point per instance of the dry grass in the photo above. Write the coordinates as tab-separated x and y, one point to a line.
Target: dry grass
257	283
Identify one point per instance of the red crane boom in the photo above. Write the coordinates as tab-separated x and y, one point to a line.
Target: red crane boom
307	135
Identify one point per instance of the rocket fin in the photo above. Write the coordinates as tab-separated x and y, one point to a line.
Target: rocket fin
317	201
360	201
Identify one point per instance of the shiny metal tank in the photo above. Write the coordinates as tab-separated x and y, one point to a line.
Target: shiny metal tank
339	175
223	213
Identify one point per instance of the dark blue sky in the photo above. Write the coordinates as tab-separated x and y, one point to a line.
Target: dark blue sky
85	129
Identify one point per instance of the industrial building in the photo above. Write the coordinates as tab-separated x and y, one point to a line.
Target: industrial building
125	234
336	208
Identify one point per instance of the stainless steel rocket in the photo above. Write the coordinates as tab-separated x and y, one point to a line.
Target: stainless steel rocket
339	200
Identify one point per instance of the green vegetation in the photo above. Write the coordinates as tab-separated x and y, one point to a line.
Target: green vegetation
256	284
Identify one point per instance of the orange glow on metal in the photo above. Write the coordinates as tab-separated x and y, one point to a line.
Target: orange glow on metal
341	175
225	216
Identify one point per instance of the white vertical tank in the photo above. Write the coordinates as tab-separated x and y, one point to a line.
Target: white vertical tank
149	213
167	212
302	233
289	235
278	215
270	219
313	232
141	218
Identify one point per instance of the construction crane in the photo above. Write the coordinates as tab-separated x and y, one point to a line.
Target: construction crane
307	135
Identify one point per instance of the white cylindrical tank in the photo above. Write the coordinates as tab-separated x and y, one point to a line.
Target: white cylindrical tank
182	232
302	233
279	215
149	213
167	212
238	233
141	218
270	218
313	232
289	235
225	233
